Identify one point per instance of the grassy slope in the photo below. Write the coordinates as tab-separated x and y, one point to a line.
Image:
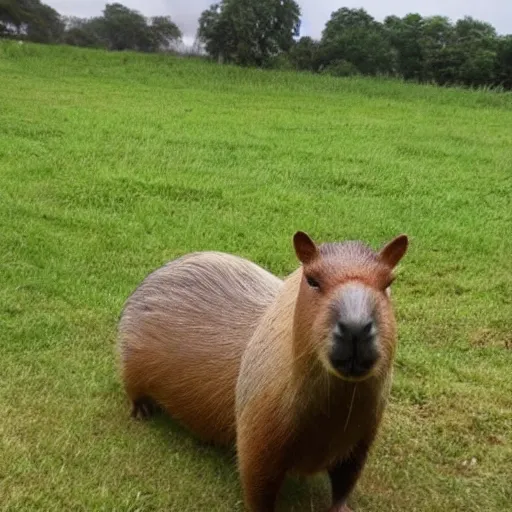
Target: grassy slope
111	164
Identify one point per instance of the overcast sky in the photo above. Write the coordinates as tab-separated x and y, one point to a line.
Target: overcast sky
314	12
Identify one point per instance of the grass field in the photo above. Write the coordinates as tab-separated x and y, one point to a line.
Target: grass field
112	164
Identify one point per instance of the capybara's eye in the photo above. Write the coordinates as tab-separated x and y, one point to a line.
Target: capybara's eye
312	282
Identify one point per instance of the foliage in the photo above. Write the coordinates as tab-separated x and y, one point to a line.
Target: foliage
30	19
503	67
214	31
249	32
125	29
405	38
352	35
164	32
430	49
437	41
85	32
305	54
340	68
476	43
119	28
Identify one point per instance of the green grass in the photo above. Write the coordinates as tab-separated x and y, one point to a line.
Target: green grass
112	164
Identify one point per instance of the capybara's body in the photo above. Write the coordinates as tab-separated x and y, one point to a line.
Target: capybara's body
295	373
182	335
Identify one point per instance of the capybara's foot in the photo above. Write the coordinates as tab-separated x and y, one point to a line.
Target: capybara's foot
143	408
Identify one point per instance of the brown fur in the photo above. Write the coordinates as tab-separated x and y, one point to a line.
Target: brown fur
182	335
234	353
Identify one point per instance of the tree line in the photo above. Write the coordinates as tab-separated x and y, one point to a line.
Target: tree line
265	33
119	28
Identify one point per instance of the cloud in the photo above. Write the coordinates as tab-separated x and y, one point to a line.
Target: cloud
315	13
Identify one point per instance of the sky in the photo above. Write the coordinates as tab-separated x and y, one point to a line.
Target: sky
315	13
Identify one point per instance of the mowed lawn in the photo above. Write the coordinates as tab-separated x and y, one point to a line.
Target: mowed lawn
113	164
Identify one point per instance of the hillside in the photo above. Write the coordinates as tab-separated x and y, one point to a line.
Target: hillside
112	164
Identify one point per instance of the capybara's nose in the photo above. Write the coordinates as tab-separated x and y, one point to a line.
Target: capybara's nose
354	351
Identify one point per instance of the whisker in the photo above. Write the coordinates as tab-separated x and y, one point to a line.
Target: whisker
328	397
350	408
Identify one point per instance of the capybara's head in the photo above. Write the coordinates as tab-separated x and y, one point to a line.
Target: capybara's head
343	309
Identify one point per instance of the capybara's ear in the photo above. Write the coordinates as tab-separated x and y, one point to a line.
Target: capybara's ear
305	248
393	252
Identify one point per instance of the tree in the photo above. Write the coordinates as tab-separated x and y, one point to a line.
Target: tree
46	25
476	45
405	38
164	32
84	32
125	29
30	19
503	63
249	32
212	32
121	28
353	36
14	16
464	53
434	49
304	54
440	58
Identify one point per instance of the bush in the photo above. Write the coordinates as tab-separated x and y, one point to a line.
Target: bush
340	68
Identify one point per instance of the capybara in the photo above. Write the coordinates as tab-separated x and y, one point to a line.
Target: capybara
294	373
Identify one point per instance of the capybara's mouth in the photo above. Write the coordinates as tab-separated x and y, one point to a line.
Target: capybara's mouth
352	370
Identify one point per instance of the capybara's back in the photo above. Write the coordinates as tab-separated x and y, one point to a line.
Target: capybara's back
182	334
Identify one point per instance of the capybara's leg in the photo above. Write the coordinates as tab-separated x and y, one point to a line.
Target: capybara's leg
135	386
261	473
260	488
345	475
144	408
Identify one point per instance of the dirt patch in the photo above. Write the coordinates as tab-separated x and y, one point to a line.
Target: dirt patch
488	337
